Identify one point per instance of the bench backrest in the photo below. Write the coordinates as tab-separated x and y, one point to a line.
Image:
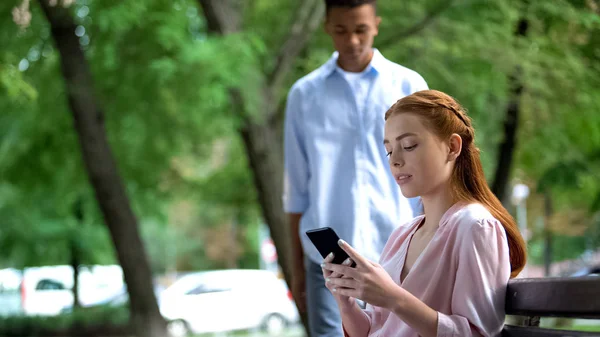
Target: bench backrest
572	297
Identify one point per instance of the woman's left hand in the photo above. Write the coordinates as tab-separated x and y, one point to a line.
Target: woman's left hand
367	281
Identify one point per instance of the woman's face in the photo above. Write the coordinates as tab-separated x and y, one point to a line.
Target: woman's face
420	161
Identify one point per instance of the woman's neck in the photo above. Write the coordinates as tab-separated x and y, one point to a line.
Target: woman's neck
435	205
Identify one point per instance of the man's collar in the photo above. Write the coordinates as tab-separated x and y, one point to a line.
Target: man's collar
376	64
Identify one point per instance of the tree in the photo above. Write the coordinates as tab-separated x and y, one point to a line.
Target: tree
103	174
261	138
507	146
160	118
572	175
558	154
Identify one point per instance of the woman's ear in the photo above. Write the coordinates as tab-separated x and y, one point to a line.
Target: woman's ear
454	146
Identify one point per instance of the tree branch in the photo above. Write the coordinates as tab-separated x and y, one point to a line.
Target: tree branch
416	28
222	16
308	17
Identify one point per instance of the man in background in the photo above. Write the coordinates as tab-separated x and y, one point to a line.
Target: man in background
336	168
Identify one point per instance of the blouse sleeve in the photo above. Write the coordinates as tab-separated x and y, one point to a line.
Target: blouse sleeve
369	311
479	292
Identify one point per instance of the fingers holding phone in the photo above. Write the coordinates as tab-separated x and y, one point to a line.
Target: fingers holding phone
329	275
328	259
326	241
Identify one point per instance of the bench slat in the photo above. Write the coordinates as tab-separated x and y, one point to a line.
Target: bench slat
554	297
519	331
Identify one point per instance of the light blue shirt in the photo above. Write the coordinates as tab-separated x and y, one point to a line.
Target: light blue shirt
336	169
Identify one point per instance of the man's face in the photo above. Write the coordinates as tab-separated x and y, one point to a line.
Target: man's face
352	31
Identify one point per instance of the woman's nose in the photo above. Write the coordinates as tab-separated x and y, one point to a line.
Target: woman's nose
397	159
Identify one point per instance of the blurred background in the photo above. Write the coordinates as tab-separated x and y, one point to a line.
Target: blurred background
141	149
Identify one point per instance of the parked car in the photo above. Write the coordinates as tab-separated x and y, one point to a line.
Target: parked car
10	292
227	300
47	290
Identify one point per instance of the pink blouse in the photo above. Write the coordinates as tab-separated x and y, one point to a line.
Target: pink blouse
462	274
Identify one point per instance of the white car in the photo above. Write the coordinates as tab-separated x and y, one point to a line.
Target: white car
47	290
227	300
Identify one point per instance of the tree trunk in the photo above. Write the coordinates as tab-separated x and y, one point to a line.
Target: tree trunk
232	259
75	265
265	158
261	137
548	210
102	172
507	147
511	123
76	252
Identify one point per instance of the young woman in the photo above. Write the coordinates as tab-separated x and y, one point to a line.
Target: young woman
445	273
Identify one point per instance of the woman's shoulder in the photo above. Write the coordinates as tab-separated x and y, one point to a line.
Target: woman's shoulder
467	217
472	227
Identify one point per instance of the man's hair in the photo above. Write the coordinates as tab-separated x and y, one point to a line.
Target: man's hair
329	4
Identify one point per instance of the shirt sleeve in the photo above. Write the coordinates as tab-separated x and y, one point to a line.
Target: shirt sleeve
479	292
369	312
419	83
295	189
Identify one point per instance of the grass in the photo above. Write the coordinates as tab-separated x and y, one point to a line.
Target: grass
590	328
571	324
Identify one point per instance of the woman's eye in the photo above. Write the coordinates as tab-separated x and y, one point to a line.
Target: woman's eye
389	153
410	148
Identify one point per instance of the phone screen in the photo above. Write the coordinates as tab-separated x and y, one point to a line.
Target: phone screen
326	241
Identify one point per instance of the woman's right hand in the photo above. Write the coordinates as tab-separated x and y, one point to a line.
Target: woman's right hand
342	300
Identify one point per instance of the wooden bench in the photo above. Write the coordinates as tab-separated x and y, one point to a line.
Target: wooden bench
573	297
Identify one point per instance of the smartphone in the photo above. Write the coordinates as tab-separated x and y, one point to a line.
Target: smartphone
326	241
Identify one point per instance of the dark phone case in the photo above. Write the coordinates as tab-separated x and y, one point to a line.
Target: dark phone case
326	241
